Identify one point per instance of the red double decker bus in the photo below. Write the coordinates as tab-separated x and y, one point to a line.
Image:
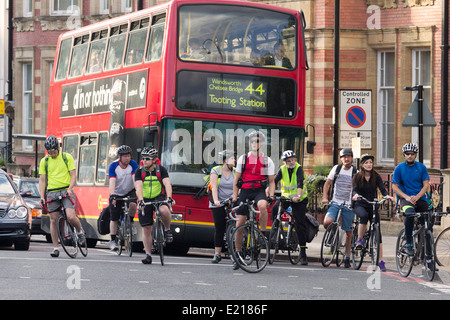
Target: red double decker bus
189	77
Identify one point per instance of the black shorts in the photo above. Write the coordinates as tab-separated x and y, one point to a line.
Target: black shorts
147	218
117	211
250	194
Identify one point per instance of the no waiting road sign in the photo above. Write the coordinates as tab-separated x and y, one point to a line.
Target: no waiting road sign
356	110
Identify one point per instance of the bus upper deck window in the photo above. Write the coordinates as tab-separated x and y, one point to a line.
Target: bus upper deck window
79	53
96	52
136	42
63	59
116	47
156	38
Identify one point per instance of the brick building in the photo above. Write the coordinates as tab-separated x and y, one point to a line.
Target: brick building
385	45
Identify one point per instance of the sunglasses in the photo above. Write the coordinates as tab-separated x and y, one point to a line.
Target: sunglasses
254	141
147	158
409	153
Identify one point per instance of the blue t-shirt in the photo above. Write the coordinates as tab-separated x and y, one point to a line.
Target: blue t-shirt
410	178
124	176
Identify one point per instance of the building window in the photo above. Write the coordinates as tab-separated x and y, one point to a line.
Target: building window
386	105
27	102
65	7
126	6
104	6
421	75
27	8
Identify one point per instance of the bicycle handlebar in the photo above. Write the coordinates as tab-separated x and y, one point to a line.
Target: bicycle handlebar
375	202
157	203
60	197
248	203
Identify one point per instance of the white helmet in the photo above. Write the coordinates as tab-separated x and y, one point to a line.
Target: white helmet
287	154
410	147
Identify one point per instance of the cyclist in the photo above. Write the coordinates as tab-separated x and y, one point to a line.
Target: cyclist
341	176
292	180
121	184
410	182
221	181
152	184
254	173
365	183
57	177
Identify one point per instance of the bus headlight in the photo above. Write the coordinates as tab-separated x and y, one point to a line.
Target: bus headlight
177	217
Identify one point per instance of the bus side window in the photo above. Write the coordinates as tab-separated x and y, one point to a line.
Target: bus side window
156	39
79	53
97	52
102	158
88	150
116	47
136	42
70	145
63	59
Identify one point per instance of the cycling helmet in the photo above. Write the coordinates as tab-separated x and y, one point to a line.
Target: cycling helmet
346	152
287	154
51	143
149	152
225	154
410	147
257	134
124	149
367	156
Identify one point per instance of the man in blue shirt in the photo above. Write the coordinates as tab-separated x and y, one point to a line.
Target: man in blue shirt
410	182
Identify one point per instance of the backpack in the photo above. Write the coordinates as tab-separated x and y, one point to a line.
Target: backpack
219	175
264	182
158	174
103	221
312	227
336	174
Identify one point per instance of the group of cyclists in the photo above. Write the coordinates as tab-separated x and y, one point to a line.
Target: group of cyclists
251	177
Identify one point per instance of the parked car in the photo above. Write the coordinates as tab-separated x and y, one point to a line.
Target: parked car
29	190
15	215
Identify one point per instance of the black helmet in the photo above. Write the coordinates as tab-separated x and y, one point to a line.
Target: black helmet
367	156
149	152
51	143
123	149
346	152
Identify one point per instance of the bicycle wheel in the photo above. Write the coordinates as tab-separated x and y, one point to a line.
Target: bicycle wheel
83	248
329	244
442	248
254	253
274	240
430	266
403	261
231	225
120	238
159	239
128	235
357	254
375	246
340	252
293	246
67	236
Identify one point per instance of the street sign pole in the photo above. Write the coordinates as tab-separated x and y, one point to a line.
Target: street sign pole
419	89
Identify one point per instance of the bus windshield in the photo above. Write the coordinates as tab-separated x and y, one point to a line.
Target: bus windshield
239	35
188	146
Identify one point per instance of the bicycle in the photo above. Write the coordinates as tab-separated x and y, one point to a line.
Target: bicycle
230	224
158	236
371	239
68	236
281	240
333	241
423	250
442	245
253	242
124	229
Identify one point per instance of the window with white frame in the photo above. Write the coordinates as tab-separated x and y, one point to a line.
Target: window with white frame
126	6
386	106
104	6
65	7
421	75
28	8
27	104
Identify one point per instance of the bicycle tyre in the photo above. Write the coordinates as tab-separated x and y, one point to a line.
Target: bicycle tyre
119	237
231	225
328	248
83	248
275	233
128	235
442	248
251	259
403	261
375	246
357	254
429	268
293	246
160	240
67	237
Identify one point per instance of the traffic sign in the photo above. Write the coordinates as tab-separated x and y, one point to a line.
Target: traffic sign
356	117
356	110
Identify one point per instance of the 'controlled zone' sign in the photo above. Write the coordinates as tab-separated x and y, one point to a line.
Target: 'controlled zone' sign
355	116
